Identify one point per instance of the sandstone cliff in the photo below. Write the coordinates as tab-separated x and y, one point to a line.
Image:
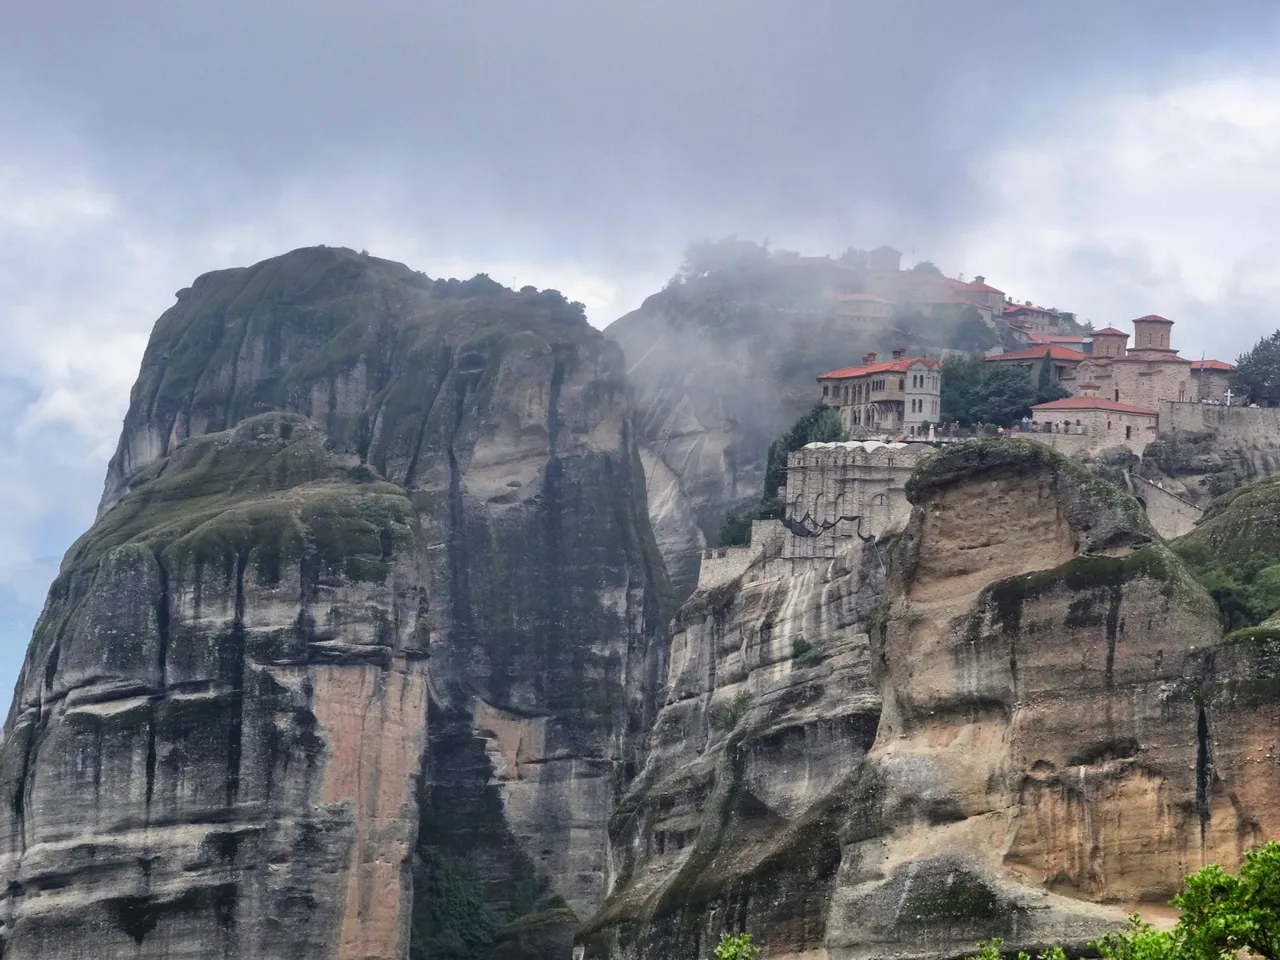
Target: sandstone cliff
362	644
1017	717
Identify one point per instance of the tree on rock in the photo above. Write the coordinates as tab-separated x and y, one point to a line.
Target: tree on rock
1257	375
1223	917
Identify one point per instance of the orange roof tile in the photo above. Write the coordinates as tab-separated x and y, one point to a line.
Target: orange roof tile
1037	353
1110	332
1212	365
1153	318
893	366
1093	403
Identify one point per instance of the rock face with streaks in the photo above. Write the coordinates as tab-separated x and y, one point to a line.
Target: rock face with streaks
1015	717
362	644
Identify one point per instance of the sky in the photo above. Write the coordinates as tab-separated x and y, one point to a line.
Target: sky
1112	158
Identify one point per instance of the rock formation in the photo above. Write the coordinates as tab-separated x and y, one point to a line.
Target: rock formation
1016	717
721	365
362	644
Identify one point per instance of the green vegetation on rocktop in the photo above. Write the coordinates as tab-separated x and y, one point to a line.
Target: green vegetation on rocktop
269	487
1235	552
366	347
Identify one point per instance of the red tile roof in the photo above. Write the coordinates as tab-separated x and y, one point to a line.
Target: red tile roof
1110	332
1093	403
1153	318
1024	308
893	366
1037	353
1212	365
984	287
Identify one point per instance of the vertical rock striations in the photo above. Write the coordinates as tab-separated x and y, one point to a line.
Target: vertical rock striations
1014	718
371	610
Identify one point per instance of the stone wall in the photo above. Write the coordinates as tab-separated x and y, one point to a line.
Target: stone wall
1170	514
1146	384
1101	429
722	564
829	481
1245	426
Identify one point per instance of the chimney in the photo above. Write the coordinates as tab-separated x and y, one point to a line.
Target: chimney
898	353
979	280
868	358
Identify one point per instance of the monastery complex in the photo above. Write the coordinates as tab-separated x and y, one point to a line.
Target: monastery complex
1115	387
1122	390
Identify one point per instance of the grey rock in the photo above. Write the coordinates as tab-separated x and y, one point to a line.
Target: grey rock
371	607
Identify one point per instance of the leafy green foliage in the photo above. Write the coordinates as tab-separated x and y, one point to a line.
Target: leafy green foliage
735	530
962	379
1140	942
729	256
974	391
1223	916
819	424
1257	375
1246	592
990	950
737	947
1047	388
801	647
725	716
1004	397
454	921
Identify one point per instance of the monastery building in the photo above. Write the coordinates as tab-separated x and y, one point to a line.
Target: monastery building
894	398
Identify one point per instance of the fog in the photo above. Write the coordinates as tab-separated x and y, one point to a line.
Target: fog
1113	159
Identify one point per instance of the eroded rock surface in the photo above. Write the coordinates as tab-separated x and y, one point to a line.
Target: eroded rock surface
371	608
1017	718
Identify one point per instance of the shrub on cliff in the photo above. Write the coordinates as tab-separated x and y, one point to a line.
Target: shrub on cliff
820	424
1223	917
1256	378
736	948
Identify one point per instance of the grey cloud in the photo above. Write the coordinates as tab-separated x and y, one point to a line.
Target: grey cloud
595	117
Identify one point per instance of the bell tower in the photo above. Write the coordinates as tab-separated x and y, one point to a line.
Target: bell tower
1151	333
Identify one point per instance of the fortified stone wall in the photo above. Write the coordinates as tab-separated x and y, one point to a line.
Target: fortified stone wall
1170	514
839	494
722	564
1244	426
